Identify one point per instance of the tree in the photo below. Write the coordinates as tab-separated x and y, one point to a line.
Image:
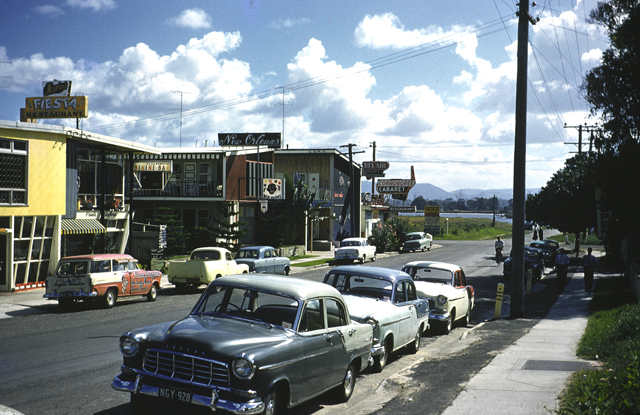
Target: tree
419	203
613	88
567	202
613	91
176	234
228	232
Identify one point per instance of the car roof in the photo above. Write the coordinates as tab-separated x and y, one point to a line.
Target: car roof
434	264
355	238
290	286
415	233
256	247
93	257
375	272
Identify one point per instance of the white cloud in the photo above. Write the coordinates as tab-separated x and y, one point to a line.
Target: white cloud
96	5
193	19
288	23
49	10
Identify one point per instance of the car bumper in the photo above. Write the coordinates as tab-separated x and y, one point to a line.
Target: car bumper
346	257
433	317
71	295
213	401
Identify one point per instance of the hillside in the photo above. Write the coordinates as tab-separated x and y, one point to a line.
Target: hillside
431	192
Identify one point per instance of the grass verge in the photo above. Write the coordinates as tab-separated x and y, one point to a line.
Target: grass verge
611	336
313	263
468	229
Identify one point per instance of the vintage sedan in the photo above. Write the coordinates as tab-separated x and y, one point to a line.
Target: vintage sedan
263	259
549	249
355	249
533	260
388	300
252	344
416	241
103	277
445	285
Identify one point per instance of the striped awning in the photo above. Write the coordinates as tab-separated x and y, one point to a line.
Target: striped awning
81	226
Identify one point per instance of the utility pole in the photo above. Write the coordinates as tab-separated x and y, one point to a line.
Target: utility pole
352	187
519	163
584	128
373	179
180	92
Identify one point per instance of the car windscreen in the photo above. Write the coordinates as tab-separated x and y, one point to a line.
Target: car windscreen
360	285
437	275
207	255
349	243
249	304
72	267
413	237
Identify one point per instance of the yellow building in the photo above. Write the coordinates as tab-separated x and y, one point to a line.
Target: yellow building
59	188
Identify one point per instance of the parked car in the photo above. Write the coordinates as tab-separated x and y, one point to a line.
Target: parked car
416	240
352	249
549	250
252	344
263	259
388	300
102	277
533	260
203	266
445	286
528	225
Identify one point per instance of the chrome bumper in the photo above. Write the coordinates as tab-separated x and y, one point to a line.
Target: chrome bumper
70	294
213	401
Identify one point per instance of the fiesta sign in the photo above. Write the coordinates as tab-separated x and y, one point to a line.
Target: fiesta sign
57	107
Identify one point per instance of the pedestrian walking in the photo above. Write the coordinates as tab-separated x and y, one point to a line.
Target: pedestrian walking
535	233
540	234
589	262
562	265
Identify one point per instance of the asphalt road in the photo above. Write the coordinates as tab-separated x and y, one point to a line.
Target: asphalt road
63	362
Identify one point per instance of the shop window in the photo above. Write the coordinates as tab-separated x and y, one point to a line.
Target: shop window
13	171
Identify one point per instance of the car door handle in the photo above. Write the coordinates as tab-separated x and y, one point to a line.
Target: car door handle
352	332
328	337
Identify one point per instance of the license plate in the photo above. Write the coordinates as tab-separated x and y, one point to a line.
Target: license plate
175	394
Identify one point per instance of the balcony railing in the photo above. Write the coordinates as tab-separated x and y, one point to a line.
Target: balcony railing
184	188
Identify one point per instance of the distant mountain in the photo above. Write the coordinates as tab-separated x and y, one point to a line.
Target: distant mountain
431	192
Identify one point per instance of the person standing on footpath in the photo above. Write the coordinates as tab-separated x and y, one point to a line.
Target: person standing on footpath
562	265
540	234
589	262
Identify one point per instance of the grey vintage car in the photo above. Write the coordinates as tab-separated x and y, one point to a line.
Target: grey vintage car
252	344
386	299
416	241
263	259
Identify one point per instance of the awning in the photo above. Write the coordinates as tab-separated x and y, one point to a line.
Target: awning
81	226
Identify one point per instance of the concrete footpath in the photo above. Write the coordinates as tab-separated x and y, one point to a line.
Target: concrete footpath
528	376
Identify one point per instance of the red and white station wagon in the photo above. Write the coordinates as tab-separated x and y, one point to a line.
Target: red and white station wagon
101	276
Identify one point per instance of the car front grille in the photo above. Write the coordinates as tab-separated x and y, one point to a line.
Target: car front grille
185	368
432	303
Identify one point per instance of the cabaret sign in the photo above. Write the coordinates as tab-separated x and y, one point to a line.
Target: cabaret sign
57	107
271	140
394	186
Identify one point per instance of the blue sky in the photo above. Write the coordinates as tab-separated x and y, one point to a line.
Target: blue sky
432	83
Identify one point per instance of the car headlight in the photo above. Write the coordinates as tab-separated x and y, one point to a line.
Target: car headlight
442	300
243	367
129	346
373	322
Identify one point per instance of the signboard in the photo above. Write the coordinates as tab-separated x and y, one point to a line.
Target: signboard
403	209
603	222
271	140
394	186
56	107
374	168
152	175
432	219
272	189
264	206
153	166
56	88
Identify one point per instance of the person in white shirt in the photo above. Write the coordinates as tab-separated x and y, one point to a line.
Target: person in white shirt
499	245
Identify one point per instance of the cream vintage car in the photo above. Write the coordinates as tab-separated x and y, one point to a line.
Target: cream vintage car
416	241
445	286
355	249
388	300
